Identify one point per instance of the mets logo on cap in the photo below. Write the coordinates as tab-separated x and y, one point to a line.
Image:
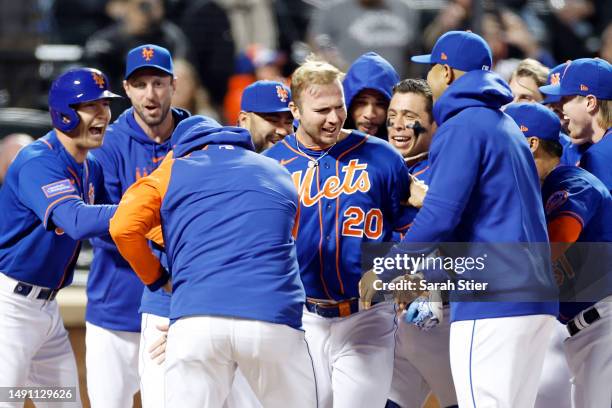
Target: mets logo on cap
147	53
555	79
282	93
98	79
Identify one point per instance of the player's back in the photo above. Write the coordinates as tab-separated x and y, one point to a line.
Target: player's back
227	216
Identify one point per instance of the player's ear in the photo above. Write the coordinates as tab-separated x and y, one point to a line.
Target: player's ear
243	118
449	74
534	143
295	111
591	104
125	87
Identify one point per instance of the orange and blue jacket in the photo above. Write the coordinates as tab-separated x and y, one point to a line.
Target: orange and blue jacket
227	215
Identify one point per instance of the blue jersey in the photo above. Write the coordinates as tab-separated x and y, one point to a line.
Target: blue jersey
44	177
572	191
571	152
352	196
114	291
419	170
597	159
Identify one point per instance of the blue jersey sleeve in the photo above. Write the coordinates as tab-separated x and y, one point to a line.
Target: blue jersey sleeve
572	197
43	185
112	183
82	221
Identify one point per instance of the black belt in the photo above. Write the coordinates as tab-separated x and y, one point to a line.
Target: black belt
339	309
24	289
589	316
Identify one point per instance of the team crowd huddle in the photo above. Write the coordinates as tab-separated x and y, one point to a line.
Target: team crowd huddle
227	267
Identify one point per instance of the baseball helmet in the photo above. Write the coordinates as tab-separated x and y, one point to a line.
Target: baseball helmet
71	88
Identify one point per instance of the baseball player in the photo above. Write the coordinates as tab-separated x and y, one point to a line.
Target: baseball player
367	91
422	362
350	187
586	96
572	148
48	207
264	111
237	298
578	210
134	146
526	79
474	153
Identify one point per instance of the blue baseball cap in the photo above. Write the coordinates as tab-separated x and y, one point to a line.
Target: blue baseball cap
266	97
149	56
554	78
584	76
535	120
462	50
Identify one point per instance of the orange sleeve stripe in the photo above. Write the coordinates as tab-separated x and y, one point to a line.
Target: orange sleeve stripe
404	227
138	213
50	206
564	228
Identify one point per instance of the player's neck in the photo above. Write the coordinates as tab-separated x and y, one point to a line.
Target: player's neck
159	133
79	154
417	158
546	166
598	132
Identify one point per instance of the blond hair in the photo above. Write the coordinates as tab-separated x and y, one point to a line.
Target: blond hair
604	116
313	72
532	69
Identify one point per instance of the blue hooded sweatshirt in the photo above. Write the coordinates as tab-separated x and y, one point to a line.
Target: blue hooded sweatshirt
227	218
370	71
114	291
484	188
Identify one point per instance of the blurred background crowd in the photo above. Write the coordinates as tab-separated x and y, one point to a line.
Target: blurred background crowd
221	46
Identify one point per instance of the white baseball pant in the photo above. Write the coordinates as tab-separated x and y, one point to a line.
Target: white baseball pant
111	359
497	362
353	356
34	346
555	387
152	374
589	356
422	364
204	352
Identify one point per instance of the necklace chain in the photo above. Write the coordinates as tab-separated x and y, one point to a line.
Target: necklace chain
313	162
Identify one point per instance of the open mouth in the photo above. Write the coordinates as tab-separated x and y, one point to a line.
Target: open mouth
368	128
96	130
329	130
151	108
402	141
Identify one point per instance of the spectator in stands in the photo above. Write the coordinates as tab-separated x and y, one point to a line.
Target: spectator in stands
189	93
9	147
207	24
343	30
142	22
254	64
605	51
252	21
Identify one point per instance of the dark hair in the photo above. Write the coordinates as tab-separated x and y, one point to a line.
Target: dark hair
417	86
552	147
349	123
